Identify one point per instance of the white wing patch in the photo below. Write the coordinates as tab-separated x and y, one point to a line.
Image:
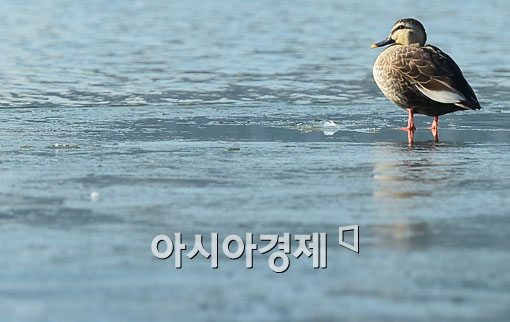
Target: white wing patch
463	106
447	96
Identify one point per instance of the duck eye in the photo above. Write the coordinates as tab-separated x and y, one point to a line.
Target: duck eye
397	28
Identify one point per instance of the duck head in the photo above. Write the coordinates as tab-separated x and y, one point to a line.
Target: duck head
405	32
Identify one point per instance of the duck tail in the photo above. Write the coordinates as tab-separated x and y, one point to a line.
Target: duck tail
469	104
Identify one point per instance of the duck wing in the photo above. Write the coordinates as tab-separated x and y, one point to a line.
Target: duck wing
436	75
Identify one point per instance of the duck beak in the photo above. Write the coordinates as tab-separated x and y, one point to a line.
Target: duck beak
385	42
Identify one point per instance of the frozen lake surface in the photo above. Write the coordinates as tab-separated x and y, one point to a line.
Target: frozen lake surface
121	121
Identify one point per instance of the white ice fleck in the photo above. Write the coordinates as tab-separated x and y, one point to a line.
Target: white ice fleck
329	128
94	196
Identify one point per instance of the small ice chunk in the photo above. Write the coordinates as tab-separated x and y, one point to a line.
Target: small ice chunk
94	196
329	128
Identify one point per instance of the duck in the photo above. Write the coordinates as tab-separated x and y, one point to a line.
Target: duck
420	77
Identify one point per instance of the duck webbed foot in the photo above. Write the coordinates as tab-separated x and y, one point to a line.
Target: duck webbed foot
434	128
410	126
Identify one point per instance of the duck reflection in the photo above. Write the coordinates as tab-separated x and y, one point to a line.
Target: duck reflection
406	183
403	173
405	234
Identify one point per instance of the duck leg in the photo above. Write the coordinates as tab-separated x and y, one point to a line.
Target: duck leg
434	128
410	121
410	126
